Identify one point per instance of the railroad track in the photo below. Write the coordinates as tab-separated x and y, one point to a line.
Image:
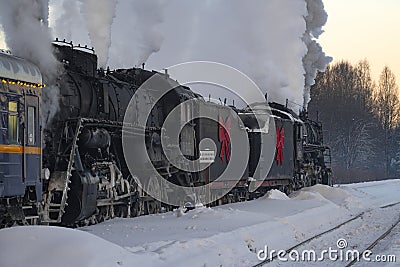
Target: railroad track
390	205
373	244
268	260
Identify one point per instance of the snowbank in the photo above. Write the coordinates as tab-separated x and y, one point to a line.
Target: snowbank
57	246
276	194
228	235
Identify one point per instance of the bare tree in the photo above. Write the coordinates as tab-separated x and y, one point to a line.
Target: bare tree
364	84
342	95
387	108
356	144
396	162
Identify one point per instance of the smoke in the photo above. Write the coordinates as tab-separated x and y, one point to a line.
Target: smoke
149	16
99	16
135	28
69	20
2	38
24	23
315	59
261	38
137	32
274	42
44	11
26	33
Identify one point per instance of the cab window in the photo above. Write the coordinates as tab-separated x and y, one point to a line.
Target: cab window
31	125
12	122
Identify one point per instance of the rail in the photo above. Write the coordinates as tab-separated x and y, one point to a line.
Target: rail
262	263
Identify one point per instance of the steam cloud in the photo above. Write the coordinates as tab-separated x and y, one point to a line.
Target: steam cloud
25	26
132	45
44	9
274	42
315	59
264	39
148	16
99	15
24	23
69	20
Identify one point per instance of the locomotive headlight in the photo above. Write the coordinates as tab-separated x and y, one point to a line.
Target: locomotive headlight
46	173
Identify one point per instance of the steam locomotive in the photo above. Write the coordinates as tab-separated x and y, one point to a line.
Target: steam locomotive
72	170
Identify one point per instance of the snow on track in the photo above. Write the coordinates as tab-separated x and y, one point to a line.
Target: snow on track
229	235
357	234
389	246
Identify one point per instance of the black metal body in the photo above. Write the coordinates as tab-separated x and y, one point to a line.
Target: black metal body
90	180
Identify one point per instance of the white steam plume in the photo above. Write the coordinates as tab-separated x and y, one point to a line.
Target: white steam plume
99	16
315	59
44	9
273	42
27	36
2	38
26	33
68	20
137	32
261	38
148	16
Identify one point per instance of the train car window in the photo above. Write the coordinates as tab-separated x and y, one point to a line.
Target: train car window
12	122
31	125
3	119
3	113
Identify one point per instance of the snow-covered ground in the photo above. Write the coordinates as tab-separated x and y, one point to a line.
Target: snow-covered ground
229	235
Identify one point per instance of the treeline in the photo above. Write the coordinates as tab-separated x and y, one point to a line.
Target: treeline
361	120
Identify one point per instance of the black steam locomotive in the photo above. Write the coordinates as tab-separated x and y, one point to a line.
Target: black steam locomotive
72	170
